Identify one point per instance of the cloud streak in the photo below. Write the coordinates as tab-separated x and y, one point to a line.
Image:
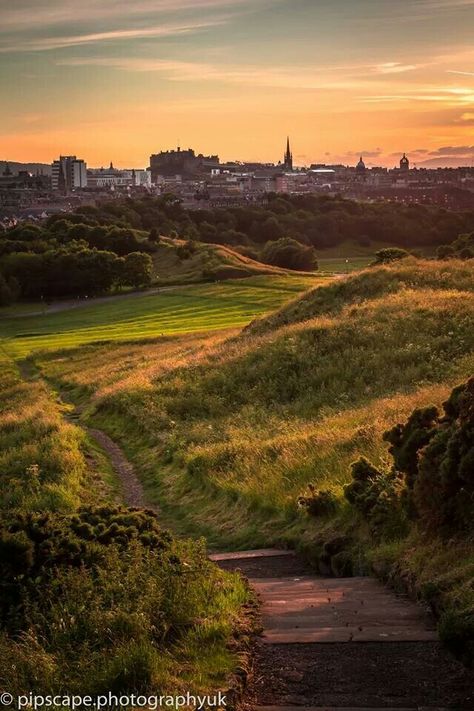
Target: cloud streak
48	43
24	15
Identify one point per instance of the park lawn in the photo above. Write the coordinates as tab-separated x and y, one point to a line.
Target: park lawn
343	265
208	307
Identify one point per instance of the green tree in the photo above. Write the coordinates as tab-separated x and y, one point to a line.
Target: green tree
289	254
154	235
137	270
390	254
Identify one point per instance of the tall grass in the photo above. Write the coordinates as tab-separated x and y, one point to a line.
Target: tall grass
228	431
42	464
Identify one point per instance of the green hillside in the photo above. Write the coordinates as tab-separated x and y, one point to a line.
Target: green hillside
205	262
229	432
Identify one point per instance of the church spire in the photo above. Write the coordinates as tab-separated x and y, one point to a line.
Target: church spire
288	159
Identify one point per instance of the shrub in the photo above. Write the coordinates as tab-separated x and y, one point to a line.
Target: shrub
102	600
407	440
444	485
318	503
289	254
390	254
433	469
461	248
377	495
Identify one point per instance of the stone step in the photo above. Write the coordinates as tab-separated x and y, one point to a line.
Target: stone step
245	555
351	634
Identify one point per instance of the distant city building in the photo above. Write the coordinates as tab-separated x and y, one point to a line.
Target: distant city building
114	178
68	173
360	167
185	163
288	157
404	164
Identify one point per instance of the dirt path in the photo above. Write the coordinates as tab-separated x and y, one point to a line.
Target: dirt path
132	488
343	643
132	492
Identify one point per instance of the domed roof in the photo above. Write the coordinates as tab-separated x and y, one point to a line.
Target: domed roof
360	165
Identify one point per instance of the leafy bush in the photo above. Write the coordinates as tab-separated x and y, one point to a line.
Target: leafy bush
461	248
390	254
444	485
289	254
318	503
433	468
104	599
377	495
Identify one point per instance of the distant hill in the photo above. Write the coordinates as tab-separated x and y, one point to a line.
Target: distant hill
15	167
208	262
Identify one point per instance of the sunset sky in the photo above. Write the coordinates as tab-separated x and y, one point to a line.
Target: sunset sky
120	79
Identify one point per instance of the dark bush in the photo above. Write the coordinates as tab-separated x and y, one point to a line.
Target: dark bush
318	503
444	485
390	254
289	254
377	495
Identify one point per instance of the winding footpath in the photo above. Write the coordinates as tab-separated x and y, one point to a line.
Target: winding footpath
131	487
343	643
328	644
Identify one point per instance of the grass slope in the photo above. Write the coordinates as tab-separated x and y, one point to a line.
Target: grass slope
112	641
207	307
228	432
207	262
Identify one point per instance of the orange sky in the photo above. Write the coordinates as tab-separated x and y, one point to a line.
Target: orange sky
118	80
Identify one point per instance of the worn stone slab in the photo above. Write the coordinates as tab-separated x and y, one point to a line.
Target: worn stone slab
320	610
245	555
323	635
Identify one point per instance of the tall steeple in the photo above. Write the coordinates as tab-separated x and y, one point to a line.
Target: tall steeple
288	159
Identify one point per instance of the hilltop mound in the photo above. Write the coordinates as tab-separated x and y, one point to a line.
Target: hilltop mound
369	284
175	262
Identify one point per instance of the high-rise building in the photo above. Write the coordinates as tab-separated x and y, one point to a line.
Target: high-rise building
68	173
288	158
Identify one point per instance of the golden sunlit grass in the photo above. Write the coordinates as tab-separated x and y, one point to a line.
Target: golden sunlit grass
254	417
41	460
227	431
207	262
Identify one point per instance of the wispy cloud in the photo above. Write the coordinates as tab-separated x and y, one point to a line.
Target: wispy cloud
48	43
394	68
29	14
464	74
451	96
300	77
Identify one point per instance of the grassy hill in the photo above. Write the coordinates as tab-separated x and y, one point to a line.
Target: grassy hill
208	262
229	431
246	414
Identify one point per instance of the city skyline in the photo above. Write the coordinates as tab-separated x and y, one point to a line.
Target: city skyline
116	80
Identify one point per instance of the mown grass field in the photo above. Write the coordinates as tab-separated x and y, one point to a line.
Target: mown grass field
210	307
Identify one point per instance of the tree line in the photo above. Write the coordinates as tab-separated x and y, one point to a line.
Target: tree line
314	220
